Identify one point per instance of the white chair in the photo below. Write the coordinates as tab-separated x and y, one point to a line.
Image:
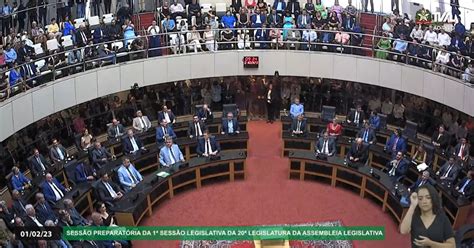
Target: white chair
94	21
78	22
108	18
67	41
205	7
40	64
52	44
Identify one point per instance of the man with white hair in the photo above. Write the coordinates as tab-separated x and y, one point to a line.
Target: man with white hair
31	219
424	179
141	123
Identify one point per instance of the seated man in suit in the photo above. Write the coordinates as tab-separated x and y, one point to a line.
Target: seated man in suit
115	130
108	191
163	131
84	173
170	154
131	143
396	143
440	138
141	123
57	152
367	134
31	219
207	145
461	150
100	155
424	179
43	210
298	126
129	177
449	171
397	167
358	153
53	190
205	113
356	117
19	181
230	125
326	146
296	109
18	204
465	188
38	163
167	115
76	217
196	127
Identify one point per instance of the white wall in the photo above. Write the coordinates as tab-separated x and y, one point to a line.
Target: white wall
26	108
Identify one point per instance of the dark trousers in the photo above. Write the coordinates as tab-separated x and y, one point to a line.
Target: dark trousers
96	6
270	111
42	16
6	24
108	6
395	5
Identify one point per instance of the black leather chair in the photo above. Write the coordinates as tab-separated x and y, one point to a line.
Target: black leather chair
328	113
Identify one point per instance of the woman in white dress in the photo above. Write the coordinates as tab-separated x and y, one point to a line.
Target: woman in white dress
209	37
194	40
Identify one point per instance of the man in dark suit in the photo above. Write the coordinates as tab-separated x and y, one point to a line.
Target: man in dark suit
270	99
396	143
164	131
82	36
31	219
43	210
356	117
107	190
461	150
230	126
205	113
274	18
397	167
367	134
76	217
293	6
424	179
358	153
100	155
208	146
261	36
440	138
449	171
18	204
326	145
167	115
465	188
53	190
57	152
196	127
38	163
115	130
298	126
131	144
84	173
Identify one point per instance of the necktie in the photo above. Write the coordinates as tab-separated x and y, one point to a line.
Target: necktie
117	131
57	190
395	144
134	144
84	38
40	163
60	153
448	170
142	122
134	179
461	152
325	147
461	190
172	157
208	146
165	132
44	206
198	129
356	117
366	135
422	182
110	189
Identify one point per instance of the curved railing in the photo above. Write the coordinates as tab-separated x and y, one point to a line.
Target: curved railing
55	65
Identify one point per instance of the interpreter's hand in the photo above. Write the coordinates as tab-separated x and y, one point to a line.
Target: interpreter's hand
414	199
423	241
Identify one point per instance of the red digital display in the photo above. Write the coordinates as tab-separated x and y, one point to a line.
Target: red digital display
251	62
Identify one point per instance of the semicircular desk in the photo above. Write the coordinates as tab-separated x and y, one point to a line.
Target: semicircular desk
303	165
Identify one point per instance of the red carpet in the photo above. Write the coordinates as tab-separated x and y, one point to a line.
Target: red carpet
268	197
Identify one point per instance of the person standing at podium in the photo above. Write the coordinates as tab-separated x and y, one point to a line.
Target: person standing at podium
170	154
426	221
129	177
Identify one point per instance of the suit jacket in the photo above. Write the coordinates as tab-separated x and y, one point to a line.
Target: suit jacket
80	41
253	19
137	123
29	222
401	169
17	207
205	114
400	146
201	146
331	146
112	131
18	182
225	126
127	144
53	153
165	155
98	155
293	7
453	173
48	191
274	19
370	135
160	133
442	140
273	96
361	153
300	20
45	213
465	151
192	128
36	167
469	189
294	125
361	117
125	179
26	73
161	116
261	35
81	173
415	185
77	218
104	194
283	5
